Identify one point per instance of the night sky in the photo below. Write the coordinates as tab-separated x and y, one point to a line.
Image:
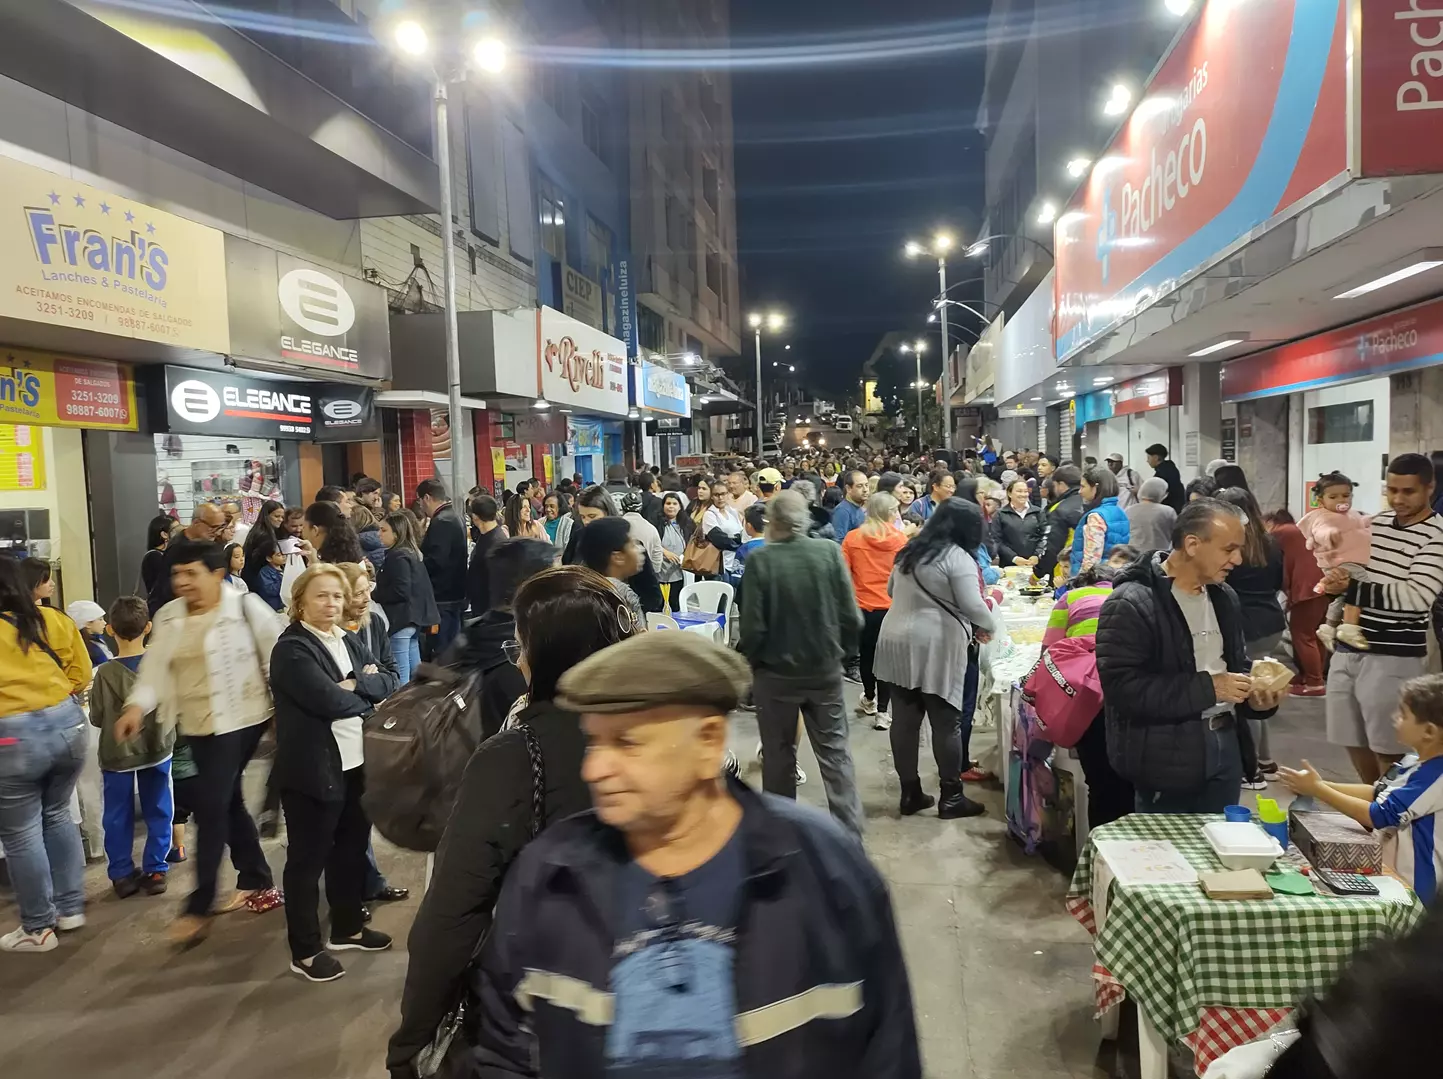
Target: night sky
838	163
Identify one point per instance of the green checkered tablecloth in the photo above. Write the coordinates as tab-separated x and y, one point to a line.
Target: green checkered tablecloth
1175	951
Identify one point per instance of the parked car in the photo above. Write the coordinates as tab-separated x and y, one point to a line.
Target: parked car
842	422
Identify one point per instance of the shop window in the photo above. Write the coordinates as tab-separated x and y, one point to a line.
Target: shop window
598	247
1348	422
195	469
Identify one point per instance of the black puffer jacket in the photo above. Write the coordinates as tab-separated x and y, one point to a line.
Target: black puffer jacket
1152	692
1058	522
1017	534
819	983
490	823
403	589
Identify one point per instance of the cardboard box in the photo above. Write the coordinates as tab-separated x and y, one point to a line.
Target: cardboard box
1335	841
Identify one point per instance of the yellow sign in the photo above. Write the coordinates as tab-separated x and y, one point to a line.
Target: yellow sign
22	458
73	255
56	391
498	465
549	466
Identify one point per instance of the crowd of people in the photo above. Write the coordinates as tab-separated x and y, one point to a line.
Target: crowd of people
595	901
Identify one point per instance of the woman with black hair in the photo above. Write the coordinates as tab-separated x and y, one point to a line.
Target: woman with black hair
677	528
329	535
924	650
516	783
593	504
45	741
270	524
518	521
157	536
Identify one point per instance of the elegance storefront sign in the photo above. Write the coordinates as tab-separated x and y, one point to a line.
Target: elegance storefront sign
301	314
76	256
219	403
59	391
580	366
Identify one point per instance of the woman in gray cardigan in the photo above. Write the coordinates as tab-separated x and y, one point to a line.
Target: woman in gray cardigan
937	611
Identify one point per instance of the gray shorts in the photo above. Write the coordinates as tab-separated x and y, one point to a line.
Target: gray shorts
1362	698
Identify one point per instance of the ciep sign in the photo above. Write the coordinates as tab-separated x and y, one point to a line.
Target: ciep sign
1244	120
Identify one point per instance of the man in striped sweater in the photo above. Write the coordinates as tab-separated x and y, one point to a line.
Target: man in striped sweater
1405	577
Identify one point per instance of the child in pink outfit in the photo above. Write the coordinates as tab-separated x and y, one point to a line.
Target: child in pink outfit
1339	537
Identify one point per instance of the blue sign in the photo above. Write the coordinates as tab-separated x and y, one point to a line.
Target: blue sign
660	389
586	434
628	327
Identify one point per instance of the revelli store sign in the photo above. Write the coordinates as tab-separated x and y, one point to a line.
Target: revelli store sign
1245	119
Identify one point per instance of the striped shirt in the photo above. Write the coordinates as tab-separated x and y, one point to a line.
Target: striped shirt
1408	805
1075	615
1405	576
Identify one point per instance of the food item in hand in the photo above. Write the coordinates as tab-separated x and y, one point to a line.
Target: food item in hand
1270	676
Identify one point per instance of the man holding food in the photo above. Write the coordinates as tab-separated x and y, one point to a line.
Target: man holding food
1177	686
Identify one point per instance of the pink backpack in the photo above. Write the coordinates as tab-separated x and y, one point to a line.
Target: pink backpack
1065	690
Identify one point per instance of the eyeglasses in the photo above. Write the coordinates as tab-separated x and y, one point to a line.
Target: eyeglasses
512	649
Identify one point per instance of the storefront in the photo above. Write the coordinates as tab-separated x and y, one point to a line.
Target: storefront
663	399
1128	418
1349	399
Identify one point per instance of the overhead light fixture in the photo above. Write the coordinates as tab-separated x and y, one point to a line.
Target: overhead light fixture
541	403
564	412
489	54
1418	263
1218	346
942	242
1178	7
977	250
1069	393
1102	380
1077	167
1118	100
791	367
411	38
1037	399
634	414
912	249
754	320
704	400
932	317
775	321
788	348
1047	213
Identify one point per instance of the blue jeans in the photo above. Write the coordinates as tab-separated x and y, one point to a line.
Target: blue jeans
1223	786
41	754
157	806
406	649
446	629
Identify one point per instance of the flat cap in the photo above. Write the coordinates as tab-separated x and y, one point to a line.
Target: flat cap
655	670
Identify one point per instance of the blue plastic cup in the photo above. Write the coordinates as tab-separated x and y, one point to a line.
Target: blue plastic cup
1237	813
1278	830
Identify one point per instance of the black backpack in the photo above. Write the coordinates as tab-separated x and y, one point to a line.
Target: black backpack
418	743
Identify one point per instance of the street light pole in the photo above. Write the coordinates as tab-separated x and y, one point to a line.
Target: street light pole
759	389
448	274
946	362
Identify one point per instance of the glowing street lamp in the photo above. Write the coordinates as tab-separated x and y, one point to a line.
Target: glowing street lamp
774	322
941	244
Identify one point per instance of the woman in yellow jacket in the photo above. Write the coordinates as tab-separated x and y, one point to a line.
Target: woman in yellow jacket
43	743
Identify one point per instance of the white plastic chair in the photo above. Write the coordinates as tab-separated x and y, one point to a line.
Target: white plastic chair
710	596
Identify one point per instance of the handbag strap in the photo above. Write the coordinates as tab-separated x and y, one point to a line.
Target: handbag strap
538	779
943	604
44	645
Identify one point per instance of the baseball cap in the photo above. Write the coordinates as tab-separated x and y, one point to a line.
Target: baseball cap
768	478
1113	457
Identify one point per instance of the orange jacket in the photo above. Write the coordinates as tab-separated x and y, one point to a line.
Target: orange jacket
870	560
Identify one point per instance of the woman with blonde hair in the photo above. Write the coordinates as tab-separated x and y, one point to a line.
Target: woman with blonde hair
323	681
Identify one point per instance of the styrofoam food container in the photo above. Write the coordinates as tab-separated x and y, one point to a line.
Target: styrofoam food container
1242	845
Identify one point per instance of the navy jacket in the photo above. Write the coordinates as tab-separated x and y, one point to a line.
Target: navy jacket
443	549
821	986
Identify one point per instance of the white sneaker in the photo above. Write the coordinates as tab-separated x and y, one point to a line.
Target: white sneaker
867	706
882	721
21	940
70	922
801	776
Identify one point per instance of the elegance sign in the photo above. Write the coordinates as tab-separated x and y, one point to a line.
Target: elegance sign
580	366
219	403
289	311
1246	118
80	257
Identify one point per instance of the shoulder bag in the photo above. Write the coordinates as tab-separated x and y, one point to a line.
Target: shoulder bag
701	555
437	1058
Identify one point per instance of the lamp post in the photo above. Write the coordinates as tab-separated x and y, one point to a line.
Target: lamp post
938	249
919	348
774	321
450	43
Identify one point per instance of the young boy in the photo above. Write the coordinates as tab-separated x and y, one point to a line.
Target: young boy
1405	803
90	617
143	762
754	521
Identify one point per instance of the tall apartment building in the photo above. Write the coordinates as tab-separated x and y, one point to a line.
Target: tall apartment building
683	192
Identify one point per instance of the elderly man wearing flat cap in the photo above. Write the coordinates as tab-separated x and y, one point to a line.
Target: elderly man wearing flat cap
687	926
